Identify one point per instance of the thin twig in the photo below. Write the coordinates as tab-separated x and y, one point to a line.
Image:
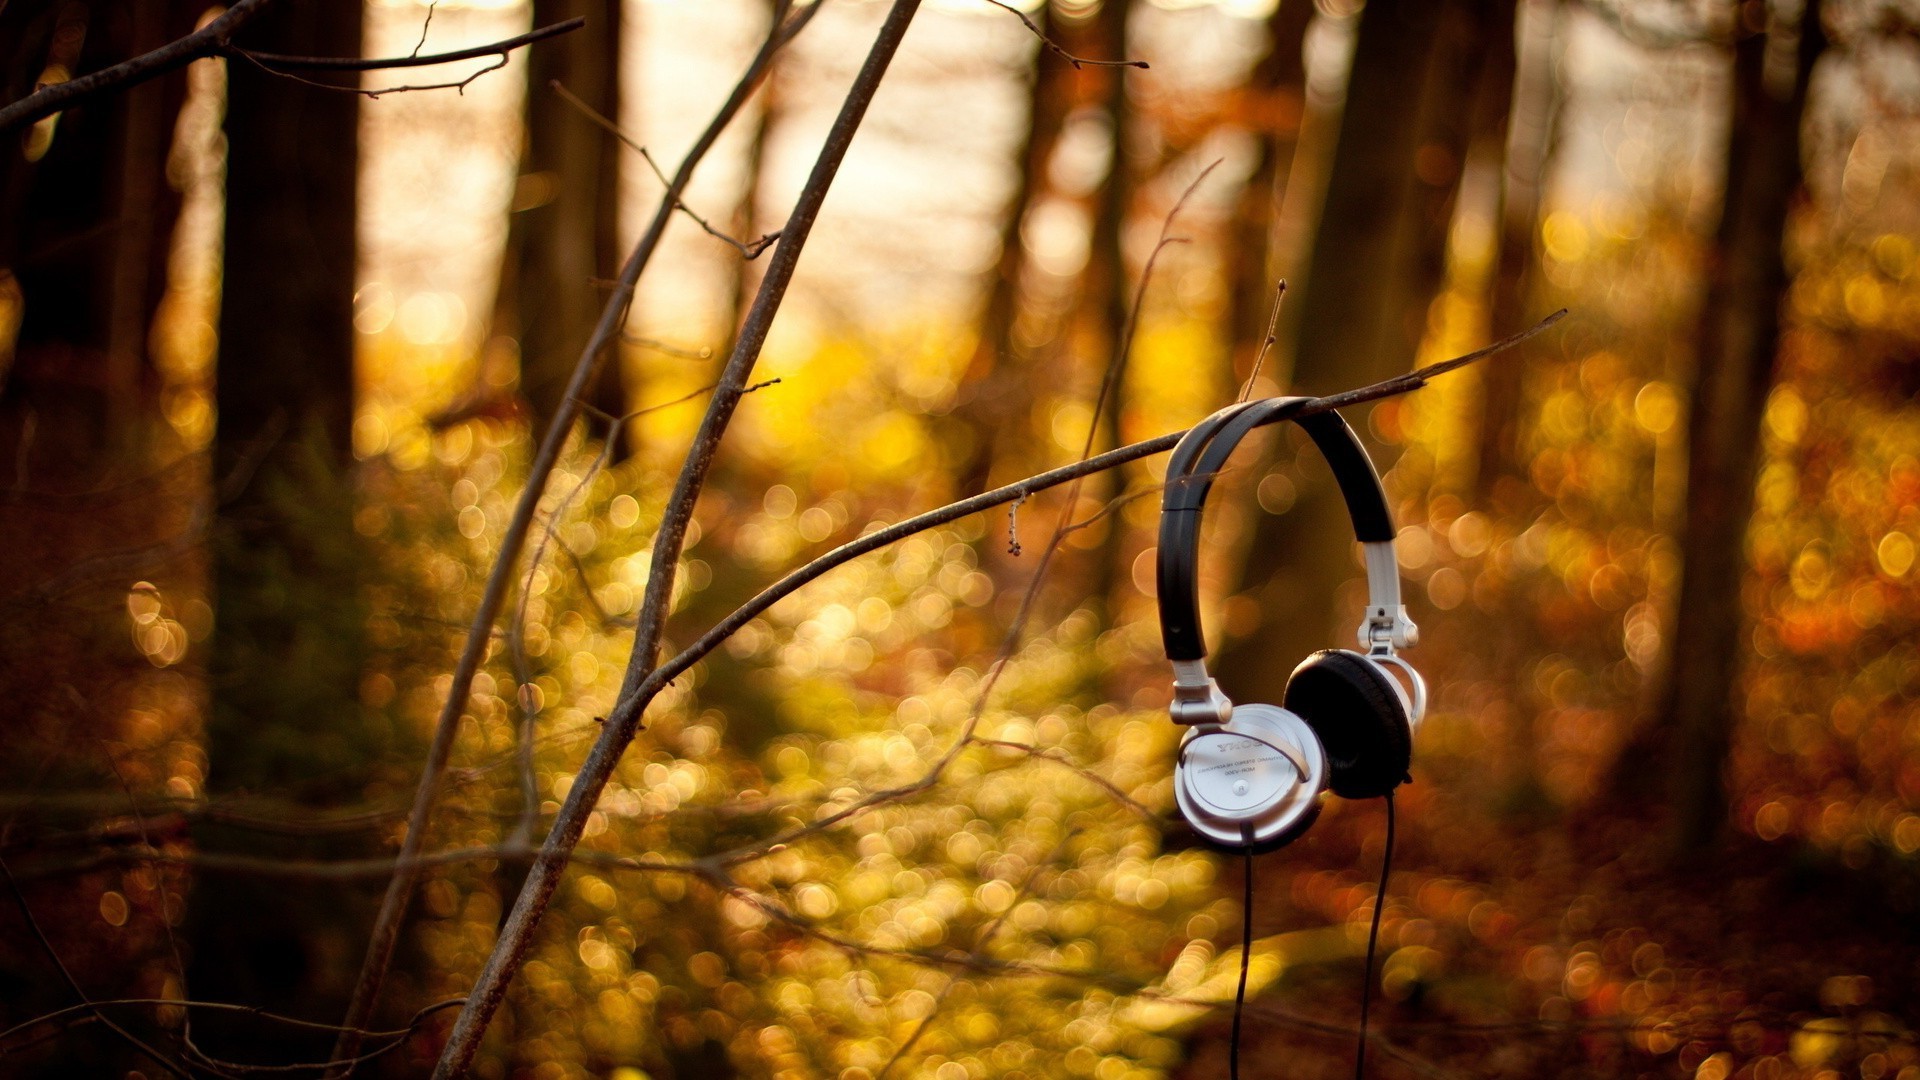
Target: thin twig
984	938
750	250
1266	343
285	66
701	353
425	26
166	917
458	85
353	63
516	626
225	1006
1060	758
370	869
387	924
1116	365
1054	47
73	985
516	936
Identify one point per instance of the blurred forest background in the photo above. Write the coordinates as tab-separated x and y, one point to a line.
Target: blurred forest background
277	358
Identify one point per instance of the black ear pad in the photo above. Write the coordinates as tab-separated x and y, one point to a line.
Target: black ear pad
1355	710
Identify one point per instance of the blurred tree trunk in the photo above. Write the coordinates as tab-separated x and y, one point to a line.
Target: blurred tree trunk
742	282
1463	103
563	237
1530	140
288	647
1105	292
994	397
1363	304
1738	338
1276	103
87	218
86	229
1106	296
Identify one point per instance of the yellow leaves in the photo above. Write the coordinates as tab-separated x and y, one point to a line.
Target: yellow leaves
1786	416
1657	407
1198	981
1812	571
1565	237
623	512
1895	554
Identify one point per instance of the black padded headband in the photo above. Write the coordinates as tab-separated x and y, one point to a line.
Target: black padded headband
1198	459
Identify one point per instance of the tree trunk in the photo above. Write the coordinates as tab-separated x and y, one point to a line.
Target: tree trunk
1277	102
1364	278
86	225
86	228
287	652
1739	335
563	239
1107	297
1464	104
994	394
1531	137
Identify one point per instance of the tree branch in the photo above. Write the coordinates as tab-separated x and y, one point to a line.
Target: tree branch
203	42
73	985
517	935
216	39
1055	47
387	924
749	250
283	62
1022	489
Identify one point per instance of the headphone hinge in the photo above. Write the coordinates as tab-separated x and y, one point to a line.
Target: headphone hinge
1387	629
1197	699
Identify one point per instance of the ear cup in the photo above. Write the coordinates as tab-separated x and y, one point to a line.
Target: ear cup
1254	781
1358	714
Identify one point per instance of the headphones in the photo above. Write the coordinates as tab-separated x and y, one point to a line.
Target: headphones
1252	776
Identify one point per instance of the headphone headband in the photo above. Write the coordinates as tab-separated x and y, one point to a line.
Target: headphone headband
1195	463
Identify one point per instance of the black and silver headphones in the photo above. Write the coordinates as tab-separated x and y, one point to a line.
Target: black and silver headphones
1253	775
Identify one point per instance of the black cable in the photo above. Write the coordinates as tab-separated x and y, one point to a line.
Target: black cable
1373	939
1246	954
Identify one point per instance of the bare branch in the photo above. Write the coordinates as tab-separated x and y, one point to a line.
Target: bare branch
206	41
1060	758
215	39
1054	47
425	26
701	353
228	1007
280	63
387	924
1021	489
750	250
73	985
460	85
980	944
1266	343
517	935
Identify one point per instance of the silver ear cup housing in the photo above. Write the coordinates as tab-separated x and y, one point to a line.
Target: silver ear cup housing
1255	780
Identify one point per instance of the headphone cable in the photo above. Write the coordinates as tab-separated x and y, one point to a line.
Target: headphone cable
1246	954
1373	939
